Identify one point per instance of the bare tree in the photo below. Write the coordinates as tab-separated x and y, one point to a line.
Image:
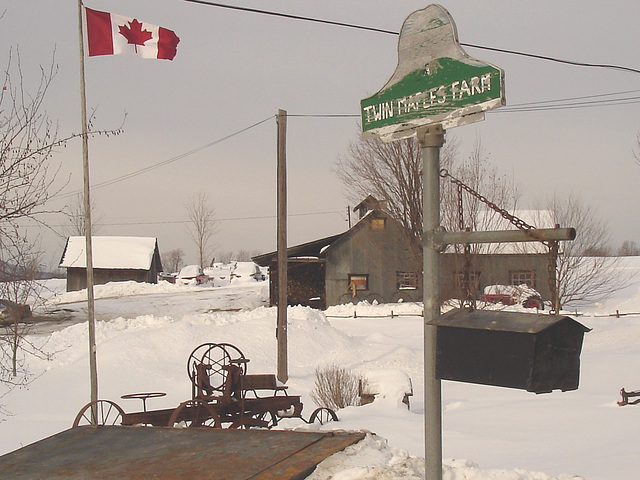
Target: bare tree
628	249
203	226
173	260
19	287
28	179
391	172
28	139
76	215
224	257
581	275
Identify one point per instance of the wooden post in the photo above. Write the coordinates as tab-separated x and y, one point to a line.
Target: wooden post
281	329
87	225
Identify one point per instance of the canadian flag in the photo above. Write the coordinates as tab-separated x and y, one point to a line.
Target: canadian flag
109	34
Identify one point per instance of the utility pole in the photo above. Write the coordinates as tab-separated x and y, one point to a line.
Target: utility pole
281	329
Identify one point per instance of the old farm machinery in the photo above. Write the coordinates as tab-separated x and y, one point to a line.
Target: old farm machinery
223	394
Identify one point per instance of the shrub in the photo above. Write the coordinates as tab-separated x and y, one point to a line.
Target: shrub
335	387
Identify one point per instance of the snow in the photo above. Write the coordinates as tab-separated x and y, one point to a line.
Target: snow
145	334
110	252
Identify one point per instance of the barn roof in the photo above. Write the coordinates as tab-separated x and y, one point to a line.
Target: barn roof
306	250
111	252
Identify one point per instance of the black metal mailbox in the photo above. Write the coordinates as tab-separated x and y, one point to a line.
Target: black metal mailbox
533	352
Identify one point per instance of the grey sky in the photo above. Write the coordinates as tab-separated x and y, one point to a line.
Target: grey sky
234	69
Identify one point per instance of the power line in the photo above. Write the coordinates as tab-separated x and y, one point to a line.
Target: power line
323	115
177	222
553	59
292	17
587	101
165	162
543	108
583	97
390	32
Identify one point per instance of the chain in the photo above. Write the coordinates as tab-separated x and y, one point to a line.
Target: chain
469	300
553	246
519	223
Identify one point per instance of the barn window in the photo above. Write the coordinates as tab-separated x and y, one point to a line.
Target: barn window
518	277
358	282
377	223
407	280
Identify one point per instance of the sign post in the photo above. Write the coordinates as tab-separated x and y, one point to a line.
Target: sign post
435	86
432	139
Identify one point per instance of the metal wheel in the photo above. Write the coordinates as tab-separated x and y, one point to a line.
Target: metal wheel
218	355
101	412
196	357
533	302
374	297
323	415
194	414
265	419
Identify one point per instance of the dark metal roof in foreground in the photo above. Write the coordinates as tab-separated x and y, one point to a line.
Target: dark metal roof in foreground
500	320
126	453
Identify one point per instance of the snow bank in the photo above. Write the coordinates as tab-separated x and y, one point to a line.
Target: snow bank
146	337
374	459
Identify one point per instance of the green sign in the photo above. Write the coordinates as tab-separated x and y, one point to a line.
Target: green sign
435	81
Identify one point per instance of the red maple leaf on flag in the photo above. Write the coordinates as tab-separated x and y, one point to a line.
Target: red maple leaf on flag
134	33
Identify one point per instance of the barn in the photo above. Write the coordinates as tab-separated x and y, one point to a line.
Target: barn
376	261
373	260
115	259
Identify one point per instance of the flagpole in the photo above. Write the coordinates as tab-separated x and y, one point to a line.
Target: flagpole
87	226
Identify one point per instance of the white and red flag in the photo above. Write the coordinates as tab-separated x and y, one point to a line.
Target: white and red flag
109	34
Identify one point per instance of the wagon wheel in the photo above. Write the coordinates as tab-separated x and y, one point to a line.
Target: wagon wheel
194	414
266	419
196	357
323	415
106	413
218	355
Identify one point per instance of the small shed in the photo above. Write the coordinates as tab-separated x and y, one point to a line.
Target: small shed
115	259
534	352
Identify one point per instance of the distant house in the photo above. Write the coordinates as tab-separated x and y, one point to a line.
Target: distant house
115	259
376	261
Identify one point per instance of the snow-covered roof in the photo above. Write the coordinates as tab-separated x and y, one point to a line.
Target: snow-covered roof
110	252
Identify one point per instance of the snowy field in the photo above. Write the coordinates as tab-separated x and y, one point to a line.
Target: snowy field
146	332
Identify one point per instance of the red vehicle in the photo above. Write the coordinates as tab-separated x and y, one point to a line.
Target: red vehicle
191	275
512	295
